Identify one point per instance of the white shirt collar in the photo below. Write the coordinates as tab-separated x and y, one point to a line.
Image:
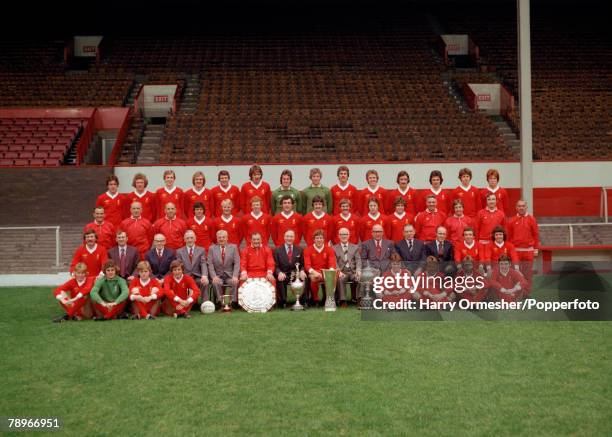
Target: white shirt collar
373	190
122	247
374	217
231	217
145	283
287	215
343	187
80	283
314	213
178	280
491	210
499	245
466	189
91	250
493	190
434	191
169	191
400	216
317	249
403	193
258	185
199	221
256	217
136	218
144	193
469	246
347	218
225	190
199	192
112	196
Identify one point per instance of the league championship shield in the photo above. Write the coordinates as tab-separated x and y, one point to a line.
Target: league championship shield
257	295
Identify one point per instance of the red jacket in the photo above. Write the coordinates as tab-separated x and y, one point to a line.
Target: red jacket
139	233
256	262
426	223
486	221
173	230
106	233
523	231
455	225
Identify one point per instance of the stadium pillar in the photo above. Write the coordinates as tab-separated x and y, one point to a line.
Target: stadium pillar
524	66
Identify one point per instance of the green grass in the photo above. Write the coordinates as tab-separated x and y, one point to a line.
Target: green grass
285	373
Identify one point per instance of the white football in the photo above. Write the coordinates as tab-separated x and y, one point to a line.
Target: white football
207	307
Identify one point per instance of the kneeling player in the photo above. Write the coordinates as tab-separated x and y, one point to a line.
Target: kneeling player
395	292
73	296
109	294
181	292
145	293
507	284
432	285
473	293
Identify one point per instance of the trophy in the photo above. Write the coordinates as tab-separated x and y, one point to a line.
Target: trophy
226	300
330	276
366	279
297	286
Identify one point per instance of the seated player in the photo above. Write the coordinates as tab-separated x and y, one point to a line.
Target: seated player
488	219
285	189
228	222
147	199
507	284
456	223
501	195
405	191
256	261
316	189
502	247
73	296
426	222
91	254
469	247
160	257
318	256
432	286
523	233
146	293
138	229
256	187
197	194
346	219
171	226
105	230
398	220
109	294
317	220
343	190
436	190
201	225
225	191
371	191
473	293
181	292
468	194
256	221
371	219
115	204
170	193
286	220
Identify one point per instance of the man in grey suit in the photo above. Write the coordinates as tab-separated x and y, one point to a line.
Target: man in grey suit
377	250
224	266
348	260
194	262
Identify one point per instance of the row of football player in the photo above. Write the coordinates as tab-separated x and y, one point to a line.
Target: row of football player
522	228
153	203
106	295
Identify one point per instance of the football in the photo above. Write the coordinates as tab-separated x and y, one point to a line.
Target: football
207	307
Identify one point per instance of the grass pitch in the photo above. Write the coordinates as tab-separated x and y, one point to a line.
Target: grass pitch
285	373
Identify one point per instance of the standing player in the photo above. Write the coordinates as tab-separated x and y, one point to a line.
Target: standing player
457	222
202	226
172	227
146	293
146	198
285	189
197	194
488	219
139	230
315	220
105	230
523	233
503	201
436	190
372	218
109	294
256	221
256	187
114	204
170	193
399	219
90	253
371	191
467	193
318	256
224	191
73	296
426	222
181	292
316	189
346	219
403	190
287	219
228	222
343	190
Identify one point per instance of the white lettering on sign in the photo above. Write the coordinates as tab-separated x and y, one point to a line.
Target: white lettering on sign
159	99
484	97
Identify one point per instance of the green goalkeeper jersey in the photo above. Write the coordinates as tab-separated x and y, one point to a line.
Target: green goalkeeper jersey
310	192
278	194
109	290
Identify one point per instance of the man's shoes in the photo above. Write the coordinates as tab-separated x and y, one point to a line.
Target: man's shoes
150	317
186	316
61	319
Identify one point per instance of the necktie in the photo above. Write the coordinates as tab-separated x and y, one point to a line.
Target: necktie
440	248
410	245
191	254
122	261
159	254
222	254
378	249
290	253
345	253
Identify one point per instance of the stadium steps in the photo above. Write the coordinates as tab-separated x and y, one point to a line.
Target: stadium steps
151	144
191	95
139	81
511	139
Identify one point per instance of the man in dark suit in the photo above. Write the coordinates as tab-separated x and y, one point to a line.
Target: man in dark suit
160	257
286	256
125	257
442	249
224	266
194	262
377	251
348	260
411	250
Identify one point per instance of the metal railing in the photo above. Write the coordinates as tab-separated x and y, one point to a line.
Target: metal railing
571	227
57	237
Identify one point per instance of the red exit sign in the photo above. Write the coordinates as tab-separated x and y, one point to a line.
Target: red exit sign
89	49
484	97
160	99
